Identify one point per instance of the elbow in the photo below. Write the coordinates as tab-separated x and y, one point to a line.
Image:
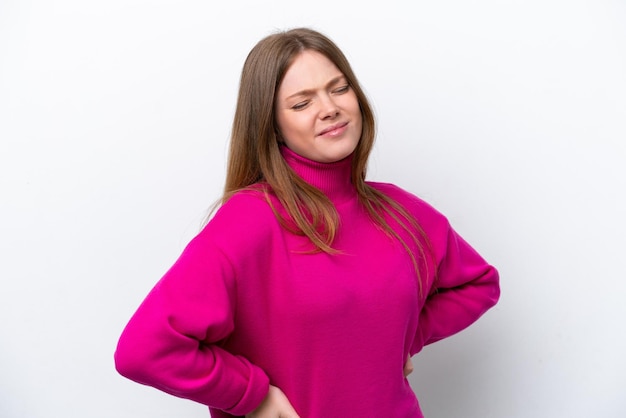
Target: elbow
493	286
130	360
123	365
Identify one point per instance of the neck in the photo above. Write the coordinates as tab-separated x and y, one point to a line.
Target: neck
332	179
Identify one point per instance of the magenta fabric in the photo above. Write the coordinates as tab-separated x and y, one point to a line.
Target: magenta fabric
247	304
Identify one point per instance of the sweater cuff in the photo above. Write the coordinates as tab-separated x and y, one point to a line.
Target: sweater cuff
258	387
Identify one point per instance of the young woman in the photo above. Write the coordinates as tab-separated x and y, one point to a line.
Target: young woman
309	289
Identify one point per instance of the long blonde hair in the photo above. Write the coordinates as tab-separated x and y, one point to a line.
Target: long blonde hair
255	157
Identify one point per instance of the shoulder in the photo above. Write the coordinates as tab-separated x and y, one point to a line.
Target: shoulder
244	201
245	207
414	204
427	216
245	217
434	224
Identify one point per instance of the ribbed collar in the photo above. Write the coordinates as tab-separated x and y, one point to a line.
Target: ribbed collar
333	179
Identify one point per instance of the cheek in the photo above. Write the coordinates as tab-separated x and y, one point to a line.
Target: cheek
297	124
352	105
287	128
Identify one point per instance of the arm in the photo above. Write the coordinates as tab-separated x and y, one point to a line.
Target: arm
465	287
172	341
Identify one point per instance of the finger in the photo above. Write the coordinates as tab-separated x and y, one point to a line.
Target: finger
289	411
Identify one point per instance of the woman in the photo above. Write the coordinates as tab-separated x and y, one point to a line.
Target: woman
309	289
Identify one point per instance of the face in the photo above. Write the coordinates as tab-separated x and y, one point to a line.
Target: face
317	111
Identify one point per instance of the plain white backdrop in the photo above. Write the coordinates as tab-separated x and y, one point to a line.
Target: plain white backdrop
508	116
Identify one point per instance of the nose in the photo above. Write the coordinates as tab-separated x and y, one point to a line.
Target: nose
329	109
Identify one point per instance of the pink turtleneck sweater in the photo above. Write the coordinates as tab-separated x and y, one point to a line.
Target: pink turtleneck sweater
246	305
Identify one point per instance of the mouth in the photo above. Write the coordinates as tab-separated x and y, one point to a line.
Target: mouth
334	129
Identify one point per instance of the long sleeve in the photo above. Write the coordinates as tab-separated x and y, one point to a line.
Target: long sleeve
245	305
173	340
464	288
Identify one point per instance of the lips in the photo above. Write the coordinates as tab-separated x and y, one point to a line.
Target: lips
333	128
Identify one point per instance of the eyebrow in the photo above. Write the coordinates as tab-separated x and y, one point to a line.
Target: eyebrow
309	92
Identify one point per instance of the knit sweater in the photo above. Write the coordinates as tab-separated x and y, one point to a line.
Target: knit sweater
248	304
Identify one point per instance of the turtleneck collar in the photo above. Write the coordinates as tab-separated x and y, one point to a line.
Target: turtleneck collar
332	179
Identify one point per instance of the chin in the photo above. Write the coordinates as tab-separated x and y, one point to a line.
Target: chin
340	155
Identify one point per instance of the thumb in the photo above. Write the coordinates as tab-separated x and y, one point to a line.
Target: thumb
289	413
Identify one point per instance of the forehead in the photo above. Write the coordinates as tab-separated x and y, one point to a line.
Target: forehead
309	70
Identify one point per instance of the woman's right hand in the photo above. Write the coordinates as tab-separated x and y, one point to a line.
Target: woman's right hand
275	405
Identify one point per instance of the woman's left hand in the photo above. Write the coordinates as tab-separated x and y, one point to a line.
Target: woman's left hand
408	366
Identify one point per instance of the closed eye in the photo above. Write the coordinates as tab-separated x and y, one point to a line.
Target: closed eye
300	106
342	89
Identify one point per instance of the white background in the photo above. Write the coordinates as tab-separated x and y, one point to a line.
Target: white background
508	116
